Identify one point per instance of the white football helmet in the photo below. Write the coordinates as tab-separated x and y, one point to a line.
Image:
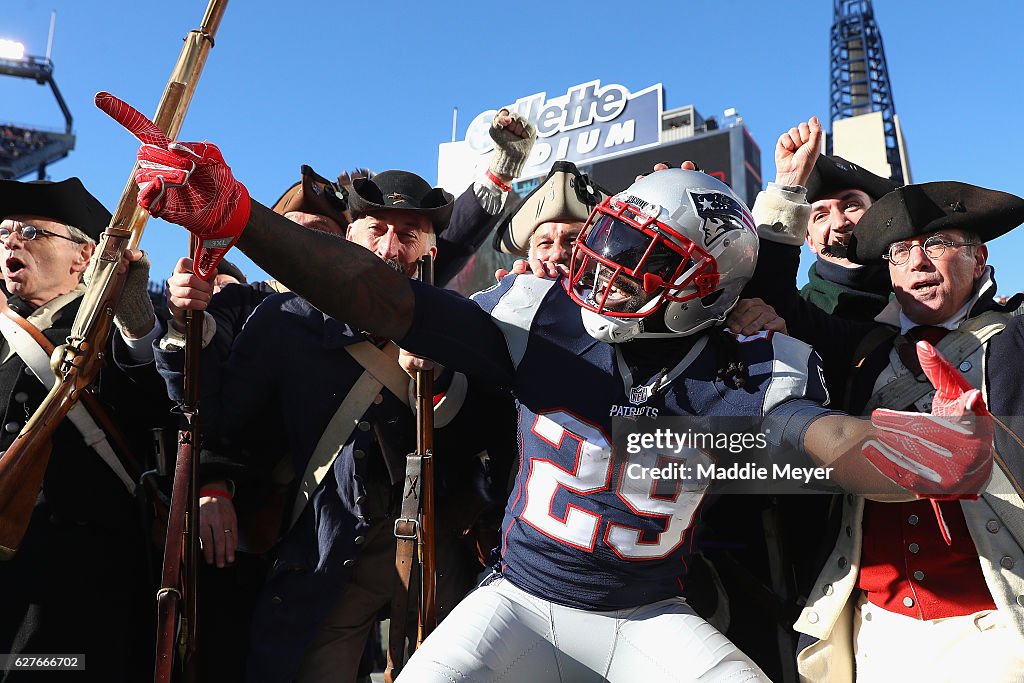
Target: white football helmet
666	257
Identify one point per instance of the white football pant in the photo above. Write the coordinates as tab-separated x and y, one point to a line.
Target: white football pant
501	634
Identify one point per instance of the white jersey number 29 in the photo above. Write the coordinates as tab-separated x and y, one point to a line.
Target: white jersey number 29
592	473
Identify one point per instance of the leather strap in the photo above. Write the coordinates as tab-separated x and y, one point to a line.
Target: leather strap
277	286
406	534
348	414
956	346
35	350
383	365
871	341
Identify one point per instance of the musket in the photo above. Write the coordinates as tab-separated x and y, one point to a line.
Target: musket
425	445
76	363
176	598
416	525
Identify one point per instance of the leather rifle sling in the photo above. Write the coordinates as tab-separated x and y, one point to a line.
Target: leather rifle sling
35	350
406	532
406	538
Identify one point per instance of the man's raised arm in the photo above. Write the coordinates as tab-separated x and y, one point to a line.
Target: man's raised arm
189	183
339	277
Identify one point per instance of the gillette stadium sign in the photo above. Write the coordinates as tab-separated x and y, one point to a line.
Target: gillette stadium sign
589	122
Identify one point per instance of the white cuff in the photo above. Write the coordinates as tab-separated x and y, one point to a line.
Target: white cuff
140	350
490	196
451	401
175	341
781	213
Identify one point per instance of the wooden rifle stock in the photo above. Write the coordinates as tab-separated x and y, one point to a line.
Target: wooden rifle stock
425	447
416	524
169	598
176	598
76	363
21	504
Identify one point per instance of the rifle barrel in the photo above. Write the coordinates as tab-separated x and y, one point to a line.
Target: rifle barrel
425	446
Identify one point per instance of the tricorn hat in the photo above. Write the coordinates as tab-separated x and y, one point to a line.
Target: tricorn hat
403	191
565	196
317	195
66	202
835	174
914	210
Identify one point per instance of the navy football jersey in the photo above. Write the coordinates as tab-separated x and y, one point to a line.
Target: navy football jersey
578	530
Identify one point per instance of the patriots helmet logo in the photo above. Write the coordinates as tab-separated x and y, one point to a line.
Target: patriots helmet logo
720	214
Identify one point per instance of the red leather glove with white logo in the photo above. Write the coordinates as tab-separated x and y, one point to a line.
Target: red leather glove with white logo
946	455
186	183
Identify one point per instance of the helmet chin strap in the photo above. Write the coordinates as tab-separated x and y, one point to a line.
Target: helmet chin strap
619	330
610	330
615	330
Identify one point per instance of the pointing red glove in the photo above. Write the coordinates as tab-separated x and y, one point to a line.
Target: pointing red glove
186	183
945	455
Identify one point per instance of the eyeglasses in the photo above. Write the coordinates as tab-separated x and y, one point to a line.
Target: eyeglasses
933	247
30	232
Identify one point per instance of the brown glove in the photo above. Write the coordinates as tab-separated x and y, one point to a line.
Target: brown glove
134	315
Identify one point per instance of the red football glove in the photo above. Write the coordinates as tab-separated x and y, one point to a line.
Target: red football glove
945	455
186	183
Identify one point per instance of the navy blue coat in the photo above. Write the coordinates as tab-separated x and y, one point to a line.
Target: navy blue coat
285	378
78	584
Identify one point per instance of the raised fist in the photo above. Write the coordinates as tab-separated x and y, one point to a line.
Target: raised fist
796	151
513	141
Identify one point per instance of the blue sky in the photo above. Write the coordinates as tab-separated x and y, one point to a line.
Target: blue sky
340	85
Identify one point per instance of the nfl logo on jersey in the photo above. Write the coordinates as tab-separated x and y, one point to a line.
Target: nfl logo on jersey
639	395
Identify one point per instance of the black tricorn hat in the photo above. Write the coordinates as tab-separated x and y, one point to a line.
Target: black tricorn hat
914	210
66	202
835	174
317	195
403	191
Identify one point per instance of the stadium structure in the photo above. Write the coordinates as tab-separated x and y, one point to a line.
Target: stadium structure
24	149
608	132
865	126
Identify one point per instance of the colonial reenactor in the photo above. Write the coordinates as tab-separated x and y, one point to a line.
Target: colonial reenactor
945	584
839	192
331	387
79	583
547	222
